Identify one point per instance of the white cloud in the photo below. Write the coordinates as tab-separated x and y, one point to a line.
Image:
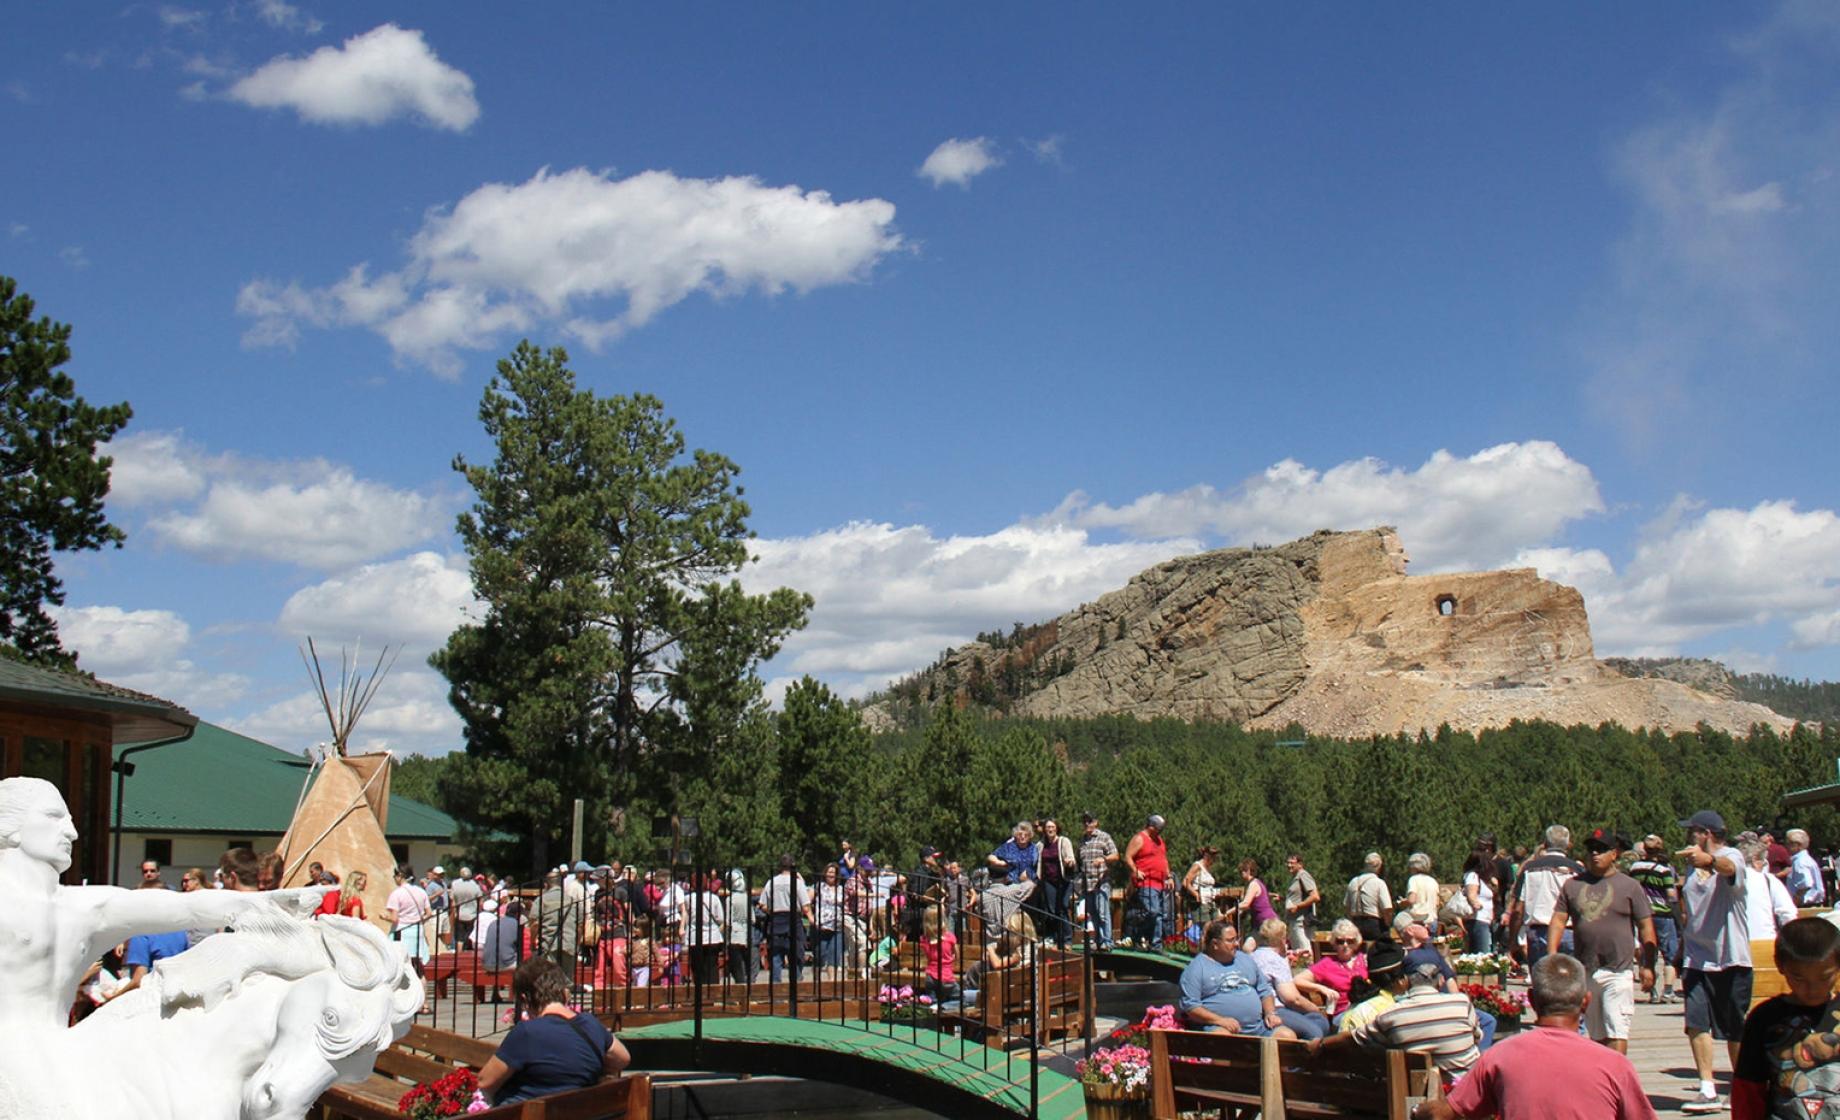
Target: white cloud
328	520
154	467
416	601
960	161
17	229
1696	573
177	18
889	598
74	257
287	17
1045	150
410	714
509	256
143	650
384	74
1452	513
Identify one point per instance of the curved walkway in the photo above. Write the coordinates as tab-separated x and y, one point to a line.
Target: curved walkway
1142	962
922	1067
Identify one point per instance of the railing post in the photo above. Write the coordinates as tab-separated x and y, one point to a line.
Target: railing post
697	956
1035	1006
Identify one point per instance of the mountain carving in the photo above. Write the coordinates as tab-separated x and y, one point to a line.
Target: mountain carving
1327	632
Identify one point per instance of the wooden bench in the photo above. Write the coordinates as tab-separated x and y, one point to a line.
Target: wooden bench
1003	1011
465	965
425	1054
1242	1077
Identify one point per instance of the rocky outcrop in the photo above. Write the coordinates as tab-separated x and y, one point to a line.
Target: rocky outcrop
1327	632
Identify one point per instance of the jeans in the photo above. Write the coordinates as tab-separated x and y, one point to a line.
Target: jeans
785	946
830	947
1153	914
1053	899
1099	916
1306	1025
1667	937
1481	938
1536	943
1486	1023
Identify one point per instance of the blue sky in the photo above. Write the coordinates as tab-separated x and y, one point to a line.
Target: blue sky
994	308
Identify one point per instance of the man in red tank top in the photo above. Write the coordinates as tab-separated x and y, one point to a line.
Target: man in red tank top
1148	857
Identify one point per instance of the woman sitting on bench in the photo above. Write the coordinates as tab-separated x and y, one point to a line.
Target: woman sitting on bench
553	1048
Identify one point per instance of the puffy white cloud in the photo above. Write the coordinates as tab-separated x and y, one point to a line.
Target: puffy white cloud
960	161
889	598
1452	513
410	714
328	519
384	74
1696	573
417	601
143	650
154	467
549	250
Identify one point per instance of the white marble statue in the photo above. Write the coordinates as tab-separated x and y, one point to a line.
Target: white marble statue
251	1025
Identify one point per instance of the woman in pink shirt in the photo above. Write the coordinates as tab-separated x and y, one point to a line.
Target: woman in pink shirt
1337	971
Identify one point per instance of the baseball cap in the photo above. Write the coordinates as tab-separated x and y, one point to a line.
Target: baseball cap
1604	839
437	869
582	865
865	864
928	852
1706	819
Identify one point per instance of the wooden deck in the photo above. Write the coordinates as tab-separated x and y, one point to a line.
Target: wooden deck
1658	1048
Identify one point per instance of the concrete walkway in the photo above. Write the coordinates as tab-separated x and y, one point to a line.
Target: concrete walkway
1658	1048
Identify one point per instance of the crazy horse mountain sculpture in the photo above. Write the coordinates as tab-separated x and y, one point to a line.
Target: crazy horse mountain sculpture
252	1025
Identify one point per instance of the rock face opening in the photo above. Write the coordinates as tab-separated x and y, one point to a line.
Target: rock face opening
1447	605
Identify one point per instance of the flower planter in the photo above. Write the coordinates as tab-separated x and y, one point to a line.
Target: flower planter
1115	1102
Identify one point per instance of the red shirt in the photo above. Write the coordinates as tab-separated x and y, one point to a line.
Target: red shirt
1152	860
330	905
1515	1080
941	957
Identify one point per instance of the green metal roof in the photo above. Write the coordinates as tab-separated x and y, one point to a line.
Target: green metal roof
134	715
221	782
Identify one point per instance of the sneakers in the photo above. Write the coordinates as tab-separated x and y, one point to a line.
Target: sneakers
1670	997
1699	1104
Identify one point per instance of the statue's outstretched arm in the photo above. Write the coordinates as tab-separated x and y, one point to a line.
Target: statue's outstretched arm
122	914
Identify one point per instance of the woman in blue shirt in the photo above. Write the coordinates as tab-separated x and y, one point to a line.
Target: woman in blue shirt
553	1048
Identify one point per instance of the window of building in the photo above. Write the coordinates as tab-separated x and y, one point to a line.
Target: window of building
157	851
399	853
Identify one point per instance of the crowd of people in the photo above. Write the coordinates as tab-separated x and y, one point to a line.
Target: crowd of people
1630	920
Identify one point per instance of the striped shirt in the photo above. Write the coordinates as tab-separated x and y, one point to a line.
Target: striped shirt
1425	1020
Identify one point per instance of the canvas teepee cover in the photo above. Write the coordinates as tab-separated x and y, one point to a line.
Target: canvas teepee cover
340	824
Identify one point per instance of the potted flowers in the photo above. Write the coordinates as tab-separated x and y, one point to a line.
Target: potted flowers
456	1094
901	1005
1506	1005
1487	969
1116	1079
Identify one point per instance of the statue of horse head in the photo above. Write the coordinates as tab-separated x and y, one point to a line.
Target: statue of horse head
333	1023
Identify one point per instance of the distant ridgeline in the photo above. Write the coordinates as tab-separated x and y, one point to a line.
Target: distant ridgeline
1811	701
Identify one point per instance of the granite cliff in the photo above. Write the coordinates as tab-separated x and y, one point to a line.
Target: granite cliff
1328	632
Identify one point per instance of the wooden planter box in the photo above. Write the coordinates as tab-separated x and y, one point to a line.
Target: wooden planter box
1112	1102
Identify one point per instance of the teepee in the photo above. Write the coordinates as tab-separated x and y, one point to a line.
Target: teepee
344	805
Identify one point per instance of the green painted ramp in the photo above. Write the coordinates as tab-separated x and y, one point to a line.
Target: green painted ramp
927	1068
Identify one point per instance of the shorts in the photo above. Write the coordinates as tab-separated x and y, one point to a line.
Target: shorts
1613	1004
1717	1001
1254	1028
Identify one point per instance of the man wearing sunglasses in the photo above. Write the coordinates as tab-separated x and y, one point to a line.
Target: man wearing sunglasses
1715	949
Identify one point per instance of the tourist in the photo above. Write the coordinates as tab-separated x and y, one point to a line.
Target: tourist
144	950
738	911
1386	963
318	876
925	888
1805	884
1715	950
1765	896
1097	855
1423	1020
1337	971
1255	906
1421	894
150	874
939	947
240	870
544	1051
641	951
1367	902
348	900
786	901
436	887
1198	885
1297	1011
194	879
1788	1036
1608	913
1016	860
705	923
1057	868
1223	990
408	913
1478	886
501	947
1537	889
830	922
1014	947
610	914
1515	1079
959	897
1661	883
1147	855
558	923
895	907
463	908
846	862
859	916
269	868
1777	855
1300	901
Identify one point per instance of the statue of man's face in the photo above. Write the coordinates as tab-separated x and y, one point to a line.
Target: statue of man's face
46	831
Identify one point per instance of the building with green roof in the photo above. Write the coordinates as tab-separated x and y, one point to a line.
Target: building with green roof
188	802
